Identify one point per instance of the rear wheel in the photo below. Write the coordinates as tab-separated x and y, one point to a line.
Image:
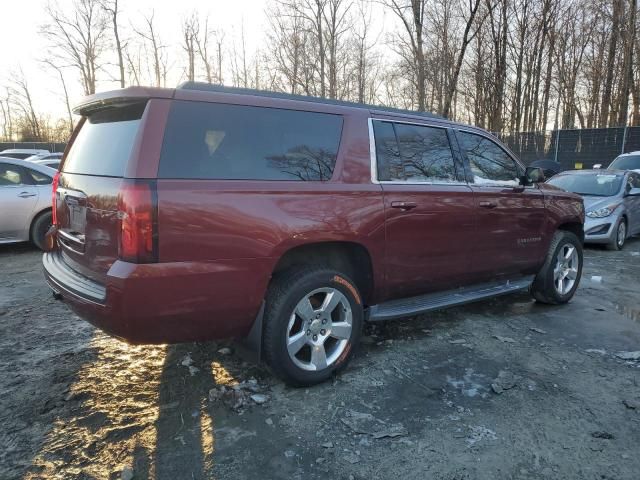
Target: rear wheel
617	243
313	320
39	228
558	279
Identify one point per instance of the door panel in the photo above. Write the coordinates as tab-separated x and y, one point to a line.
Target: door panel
510	223
510	217
632	205
17	201
428	246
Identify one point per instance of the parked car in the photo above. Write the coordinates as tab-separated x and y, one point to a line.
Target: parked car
48	156
213	212
25	201
549	167
612	203
23	153
49	163
626	161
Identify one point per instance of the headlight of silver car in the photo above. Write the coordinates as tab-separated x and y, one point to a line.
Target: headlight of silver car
602	212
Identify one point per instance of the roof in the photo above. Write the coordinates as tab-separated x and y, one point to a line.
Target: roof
26	164
208	87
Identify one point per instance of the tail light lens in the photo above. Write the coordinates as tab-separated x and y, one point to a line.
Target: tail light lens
54	194
137	211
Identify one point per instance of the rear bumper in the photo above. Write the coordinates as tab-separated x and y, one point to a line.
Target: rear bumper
165	302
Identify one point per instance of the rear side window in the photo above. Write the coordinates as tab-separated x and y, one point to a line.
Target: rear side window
39	178
103	145
236	142
413	153
11	175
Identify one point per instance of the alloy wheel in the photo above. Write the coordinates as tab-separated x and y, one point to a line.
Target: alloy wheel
319	329
565	272
622	233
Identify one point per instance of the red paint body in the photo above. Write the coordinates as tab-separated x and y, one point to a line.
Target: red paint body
219	241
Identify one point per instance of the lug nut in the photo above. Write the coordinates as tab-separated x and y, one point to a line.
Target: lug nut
324	320
308	332
323	331
315	337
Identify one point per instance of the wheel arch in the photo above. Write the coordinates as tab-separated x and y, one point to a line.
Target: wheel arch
352	258
577	228
35	218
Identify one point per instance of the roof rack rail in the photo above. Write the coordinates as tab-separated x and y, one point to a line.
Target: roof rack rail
209	87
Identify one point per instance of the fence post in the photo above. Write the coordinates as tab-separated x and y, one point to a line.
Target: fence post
624	138
555	154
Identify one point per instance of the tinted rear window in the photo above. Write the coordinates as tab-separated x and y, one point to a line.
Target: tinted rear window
103	145
219	141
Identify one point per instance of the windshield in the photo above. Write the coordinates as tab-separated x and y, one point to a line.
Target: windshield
596	184
628	162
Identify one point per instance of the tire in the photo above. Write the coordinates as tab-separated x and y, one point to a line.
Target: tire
617	243
39	228
552	284
295	321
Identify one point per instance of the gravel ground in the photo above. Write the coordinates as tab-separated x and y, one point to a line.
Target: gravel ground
503	389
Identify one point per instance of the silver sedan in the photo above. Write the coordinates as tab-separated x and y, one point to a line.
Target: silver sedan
25	201
611	202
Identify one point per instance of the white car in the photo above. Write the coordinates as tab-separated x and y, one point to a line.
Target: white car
49	162
24	153
25	201
626	161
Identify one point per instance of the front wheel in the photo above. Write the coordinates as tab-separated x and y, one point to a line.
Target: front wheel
313	320
617	242
558	279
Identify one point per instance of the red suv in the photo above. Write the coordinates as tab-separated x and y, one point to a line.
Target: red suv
206	212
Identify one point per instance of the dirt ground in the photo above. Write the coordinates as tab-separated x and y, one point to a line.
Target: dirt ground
504	389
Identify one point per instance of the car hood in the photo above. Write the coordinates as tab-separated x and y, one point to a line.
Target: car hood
594	203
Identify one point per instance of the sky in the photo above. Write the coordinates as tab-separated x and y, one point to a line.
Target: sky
21	46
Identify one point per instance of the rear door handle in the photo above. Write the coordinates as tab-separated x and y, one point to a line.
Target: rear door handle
26	194
485	204
404	206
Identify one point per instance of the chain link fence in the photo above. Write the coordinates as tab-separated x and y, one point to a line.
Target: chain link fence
574	149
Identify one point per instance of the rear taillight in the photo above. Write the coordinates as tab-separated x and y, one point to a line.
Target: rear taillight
137	211
54	193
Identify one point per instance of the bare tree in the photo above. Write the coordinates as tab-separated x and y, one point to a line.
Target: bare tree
154	48
22	99
411	43
203	44
78	38
67	103
190	39
467	37
111	7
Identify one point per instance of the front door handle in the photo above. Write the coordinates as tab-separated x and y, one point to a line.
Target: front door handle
404	206
26	194
485	204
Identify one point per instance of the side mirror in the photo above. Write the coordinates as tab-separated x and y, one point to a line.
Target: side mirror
597	166
532	175
634	192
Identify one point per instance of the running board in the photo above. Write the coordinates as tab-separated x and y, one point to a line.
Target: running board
435	301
